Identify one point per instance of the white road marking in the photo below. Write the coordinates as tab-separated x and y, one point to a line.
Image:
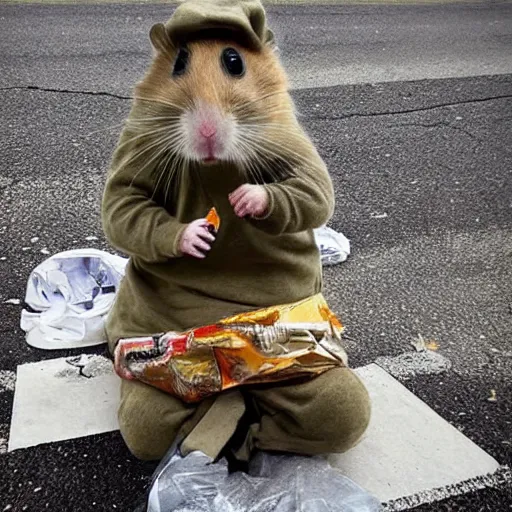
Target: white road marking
4	438
502	476
7	380
410	364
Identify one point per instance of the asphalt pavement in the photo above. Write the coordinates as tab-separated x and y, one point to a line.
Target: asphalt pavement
419	147
105	47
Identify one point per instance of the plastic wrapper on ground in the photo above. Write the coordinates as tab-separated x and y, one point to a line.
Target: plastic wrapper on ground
274	483
68	298
334	247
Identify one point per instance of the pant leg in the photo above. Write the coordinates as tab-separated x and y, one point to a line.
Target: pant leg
150	419
327	414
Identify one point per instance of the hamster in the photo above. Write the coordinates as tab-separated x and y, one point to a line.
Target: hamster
209	119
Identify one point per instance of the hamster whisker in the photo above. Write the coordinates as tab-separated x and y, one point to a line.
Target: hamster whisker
254	136
283	147
175	160
163	174
255	160
247	120
269	129
265	150
151	160
245	151
265	130
176	171
160	174
143	121
272	125
161	143
249	159
134	156
105	129
270	165
149	109
148	147
265	96
159	101
147	134
293	161
162	170
254	172
164	131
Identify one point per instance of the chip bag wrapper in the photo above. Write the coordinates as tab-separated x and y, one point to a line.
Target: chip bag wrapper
268	345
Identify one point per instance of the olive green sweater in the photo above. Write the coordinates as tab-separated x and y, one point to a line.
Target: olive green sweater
252	263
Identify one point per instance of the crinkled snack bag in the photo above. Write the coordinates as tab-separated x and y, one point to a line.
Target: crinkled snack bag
267	345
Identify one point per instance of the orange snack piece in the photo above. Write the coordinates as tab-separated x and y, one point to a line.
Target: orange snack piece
213	218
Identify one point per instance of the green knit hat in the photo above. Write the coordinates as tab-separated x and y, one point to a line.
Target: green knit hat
241	20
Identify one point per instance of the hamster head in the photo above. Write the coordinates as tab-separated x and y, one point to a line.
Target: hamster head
213	100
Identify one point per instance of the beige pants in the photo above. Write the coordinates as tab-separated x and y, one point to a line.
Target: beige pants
326	414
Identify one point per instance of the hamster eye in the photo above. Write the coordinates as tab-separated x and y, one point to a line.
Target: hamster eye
181	62
233	62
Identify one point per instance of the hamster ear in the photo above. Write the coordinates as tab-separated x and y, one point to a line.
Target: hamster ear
159	38
270	39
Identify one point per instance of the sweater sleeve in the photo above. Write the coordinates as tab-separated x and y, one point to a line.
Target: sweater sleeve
132	221
304	201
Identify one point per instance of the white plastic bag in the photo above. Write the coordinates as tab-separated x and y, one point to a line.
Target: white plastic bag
274	483
68	297
334	247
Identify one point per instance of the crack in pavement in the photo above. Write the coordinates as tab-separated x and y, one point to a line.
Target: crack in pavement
412	110
64	91
452	126
444	124
88	366
327	118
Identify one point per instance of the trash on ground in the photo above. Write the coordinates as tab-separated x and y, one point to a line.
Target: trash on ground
334	247
421	344
284	483
68	297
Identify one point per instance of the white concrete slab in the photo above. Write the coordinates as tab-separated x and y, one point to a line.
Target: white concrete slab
53	402
408	448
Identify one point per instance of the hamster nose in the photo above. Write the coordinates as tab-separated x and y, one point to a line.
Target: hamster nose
207	129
